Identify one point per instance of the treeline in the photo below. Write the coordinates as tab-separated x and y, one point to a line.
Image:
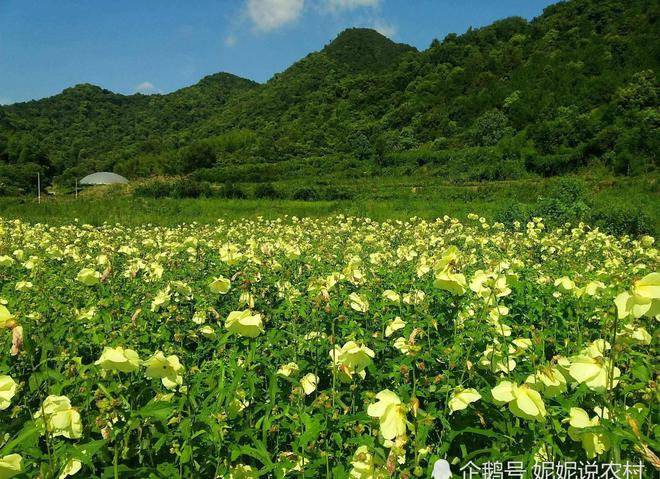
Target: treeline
575	89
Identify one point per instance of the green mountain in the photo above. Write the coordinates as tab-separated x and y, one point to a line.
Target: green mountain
572	90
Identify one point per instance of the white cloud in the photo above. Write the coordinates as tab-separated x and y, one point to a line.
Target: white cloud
5	101
339	5
230	40
269	15
384	28
146	88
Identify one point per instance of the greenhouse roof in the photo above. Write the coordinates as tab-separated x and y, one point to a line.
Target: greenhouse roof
103	178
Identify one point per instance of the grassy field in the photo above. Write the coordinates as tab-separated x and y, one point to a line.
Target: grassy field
377	198
170	211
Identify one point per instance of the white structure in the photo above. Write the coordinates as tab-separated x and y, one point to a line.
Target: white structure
103	178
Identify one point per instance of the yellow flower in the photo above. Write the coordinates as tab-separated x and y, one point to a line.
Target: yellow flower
314	336
461	398
593	443
644	300
229	254
635	306
168	369
391	296
352	358
631	334
416	297
7	391
495	359
199	317
238	403
452	282
10	466
6	261
648	286
489	285
5	316
220	285
247	299
23	286
87	315
182	289
565	283
59	418
549	381
523	401
309	382
88	276
395	325
591	288
358	303
448	259
288	369
597	372
404	346
391	414
499	327
596	349
244	323
242	471
161	300
70	468
207	331
521	344
364	465
119	359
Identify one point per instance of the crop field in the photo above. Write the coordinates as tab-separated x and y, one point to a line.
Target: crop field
327	347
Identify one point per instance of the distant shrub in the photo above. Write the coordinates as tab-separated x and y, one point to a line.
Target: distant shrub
567	201
173	188
552	164
9	189
513	212
306	194
557	211
230	190
236	173
622	220
186	188
332	193
568	189
266	190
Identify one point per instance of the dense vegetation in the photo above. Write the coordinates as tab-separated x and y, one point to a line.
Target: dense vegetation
573	89
326	348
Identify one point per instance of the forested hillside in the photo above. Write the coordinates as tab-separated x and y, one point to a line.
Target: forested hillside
574	89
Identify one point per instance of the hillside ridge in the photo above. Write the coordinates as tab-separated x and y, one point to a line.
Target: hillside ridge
574	89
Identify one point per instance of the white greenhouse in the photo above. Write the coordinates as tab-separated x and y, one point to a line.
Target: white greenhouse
103	178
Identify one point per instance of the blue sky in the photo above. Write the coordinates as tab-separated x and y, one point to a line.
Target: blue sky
154	46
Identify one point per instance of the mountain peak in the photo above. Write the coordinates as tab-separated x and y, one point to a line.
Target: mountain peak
223	78
365	49
85	89
352	33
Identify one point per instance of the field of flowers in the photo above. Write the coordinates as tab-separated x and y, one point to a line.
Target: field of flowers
337	347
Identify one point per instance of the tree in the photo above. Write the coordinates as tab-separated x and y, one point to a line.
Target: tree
198	155
490	128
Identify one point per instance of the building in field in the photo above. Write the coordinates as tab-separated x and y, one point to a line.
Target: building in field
103	178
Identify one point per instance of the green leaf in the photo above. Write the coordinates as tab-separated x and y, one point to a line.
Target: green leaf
158	410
